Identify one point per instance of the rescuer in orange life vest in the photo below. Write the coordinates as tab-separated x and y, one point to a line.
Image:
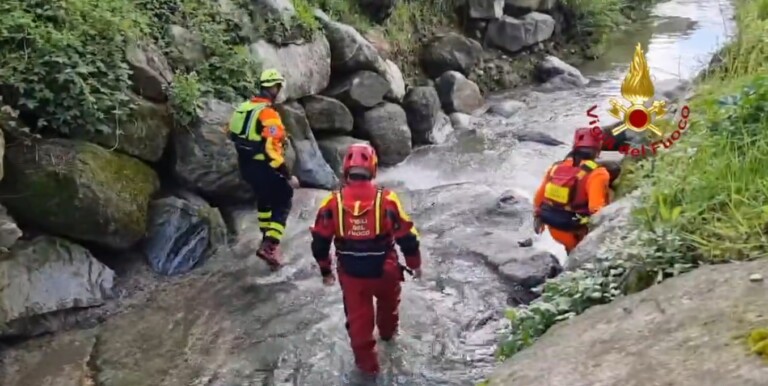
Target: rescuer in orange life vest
364	222
572	191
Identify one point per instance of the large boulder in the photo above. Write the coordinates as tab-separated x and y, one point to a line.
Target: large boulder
181	232
143	134
9	230
486	9
394	76
187	47
310	167
609	227
449	52
687	331
350	51
150	72
80	190
386	126
205	160
327	115
521	7
360	91
306	67
425	117
512	35
334	149
552	67
45	275
458	94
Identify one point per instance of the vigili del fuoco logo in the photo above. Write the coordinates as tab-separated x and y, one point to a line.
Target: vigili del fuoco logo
641	113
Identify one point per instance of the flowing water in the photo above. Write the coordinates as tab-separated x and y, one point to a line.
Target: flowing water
233	323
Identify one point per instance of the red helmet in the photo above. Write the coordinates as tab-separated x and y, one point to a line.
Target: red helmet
360	156
585	137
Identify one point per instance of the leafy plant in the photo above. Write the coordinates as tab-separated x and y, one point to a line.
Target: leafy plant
64	61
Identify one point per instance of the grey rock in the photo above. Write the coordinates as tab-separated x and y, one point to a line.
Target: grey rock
458	94
150	72
327	115
394	77
311	168
361	90
460	121
334	149
422	108
45	275
506	108
387	128
552	67
180	234
205	160
538	137
80	190
512	35
655	334
143	134
531	5
188	47
9	231
449	52
350	51
486	9
282	9
306	67
295	120
530	270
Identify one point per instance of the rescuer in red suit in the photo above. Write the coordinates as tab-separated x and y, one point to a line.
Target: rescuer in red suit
364	222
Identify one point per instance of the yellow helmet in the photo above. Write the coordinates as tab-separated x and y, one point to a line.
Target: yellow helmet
271	77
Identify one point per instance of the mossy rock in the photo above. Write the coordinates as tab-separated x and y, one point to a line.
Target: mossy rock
80	190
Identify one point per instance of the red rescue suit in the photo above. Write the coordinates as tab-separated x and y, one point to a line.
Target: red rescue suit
364	222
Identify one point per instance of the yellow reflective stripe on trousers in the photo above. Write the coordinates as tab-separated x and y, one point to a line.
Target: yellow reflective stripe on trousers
274	234
377	207
264	218
340	208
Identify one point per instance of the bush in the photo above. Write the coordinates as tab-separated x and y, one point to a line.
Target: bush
66	59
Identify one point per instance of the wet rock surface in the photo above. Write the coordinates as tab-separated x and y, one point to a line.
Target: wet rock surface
656	334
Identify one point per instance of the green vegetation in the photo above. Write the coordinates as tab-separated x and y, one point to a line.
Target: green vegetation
591	22
706	201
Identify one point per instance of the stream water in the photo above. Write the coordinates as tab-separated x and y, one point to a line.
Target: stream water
234	324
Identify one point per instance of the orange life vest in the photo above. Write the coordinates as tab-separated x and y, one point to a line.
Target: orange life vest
566	187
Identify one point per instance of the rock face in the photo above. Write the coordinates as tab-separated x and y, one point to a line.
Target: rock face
552	67
486	9
334	149
189	46
151	73
49	274
422	108
512	35
9	231
525	6
310	167
350	51
609	225
327	115
458	94
180	233
450	52
205	159
656	334
361	90
387	128
306	67
144	134
80	190
394	77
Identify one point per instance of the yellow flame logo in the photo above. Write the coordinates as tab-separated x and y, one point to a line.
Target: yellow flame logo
637	88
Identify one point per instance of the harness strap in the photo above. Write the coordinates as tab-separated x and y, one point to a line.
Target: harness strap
377	208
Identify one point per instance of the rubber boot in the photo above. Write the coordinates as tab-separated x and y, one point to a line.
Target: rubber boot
270	253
